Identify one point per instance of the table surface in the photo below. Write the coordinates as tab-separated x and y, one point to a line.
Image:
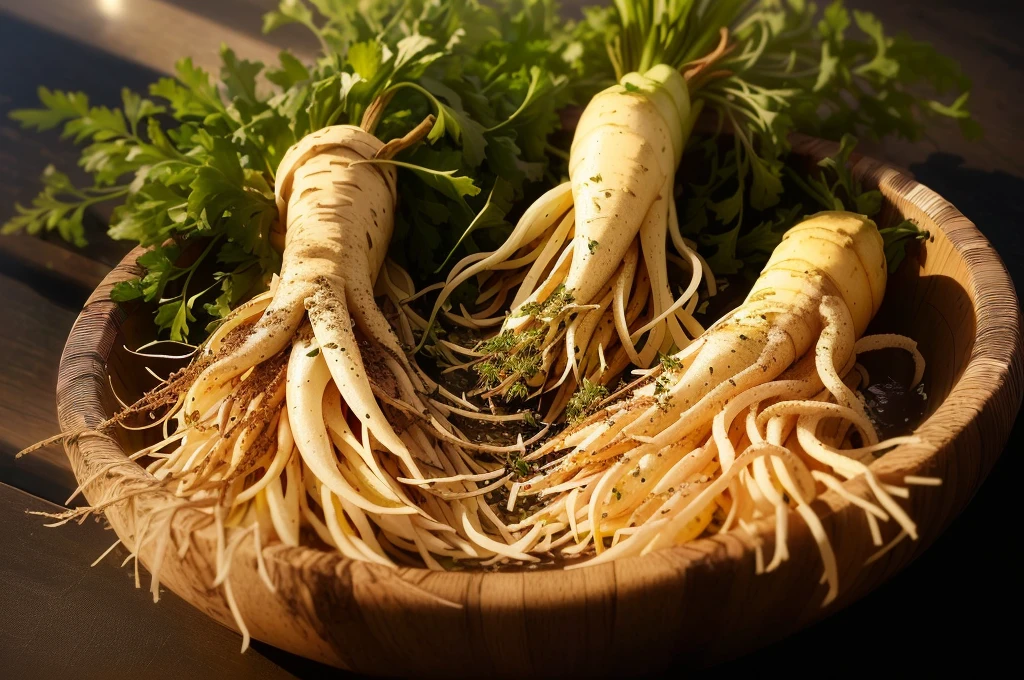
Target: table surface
60	618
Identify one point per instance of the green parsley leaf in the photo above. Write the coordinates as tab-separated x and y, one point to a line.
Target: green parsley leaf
287	12
291	73
238	75
897	238
58	107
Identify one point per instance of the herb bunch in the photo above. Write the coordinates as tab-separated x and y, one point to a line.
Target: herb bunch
787	66
192	163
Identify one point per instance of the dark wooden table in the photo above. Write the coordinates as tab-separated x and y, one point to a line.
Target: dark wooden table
58	618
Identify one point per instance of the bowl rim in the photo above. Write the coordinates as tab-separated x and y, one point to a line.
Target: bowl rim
995	365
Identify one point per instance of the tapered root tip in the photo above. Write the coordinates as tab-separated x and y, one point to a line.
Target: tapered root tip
43	444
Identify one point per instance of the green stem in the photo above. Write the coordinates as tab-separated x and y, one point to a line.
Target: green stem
555	151
805	187
92	200
394	19
319	36
434	101
193	267
415	86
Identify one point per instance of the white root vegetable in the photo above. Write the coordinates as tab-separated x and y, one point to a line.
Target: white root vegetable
595	296
302	418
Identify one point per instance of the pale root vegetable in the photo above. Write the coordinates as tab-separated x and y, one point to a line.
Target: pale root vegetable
302	412
734	425
589	257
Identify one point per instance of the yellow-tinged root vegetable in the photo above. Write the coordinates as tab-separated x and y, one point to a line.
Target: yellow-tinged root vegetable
735	424
589	257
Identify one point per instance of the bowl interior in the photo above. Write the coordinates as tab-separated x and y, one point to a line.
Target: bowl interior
926	301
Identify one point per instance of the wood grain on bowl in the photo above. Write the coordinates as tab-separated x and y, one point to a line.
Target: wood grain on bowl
702	599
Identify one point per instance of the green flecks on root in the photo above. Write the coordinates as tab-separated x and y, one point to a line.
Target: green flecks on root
550	307
663	384
489	373
516	464
518	355
528	309
516	391
670	363
584	402
512	354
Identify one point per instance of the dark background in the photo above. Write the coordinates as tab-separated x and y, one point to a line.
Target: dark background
953	609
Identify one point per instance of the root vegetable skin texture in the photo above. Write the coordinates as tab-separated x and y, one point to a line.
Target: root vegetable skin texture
338	211
656	465
830	254
338	227
624	154
576	243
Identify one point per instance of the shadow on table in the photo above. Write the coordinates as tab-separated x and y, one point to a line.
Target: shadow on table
301	667
994	201
44	58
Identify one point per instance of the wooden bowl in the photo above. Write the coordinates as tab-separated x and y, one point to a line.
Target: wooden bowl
701	602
